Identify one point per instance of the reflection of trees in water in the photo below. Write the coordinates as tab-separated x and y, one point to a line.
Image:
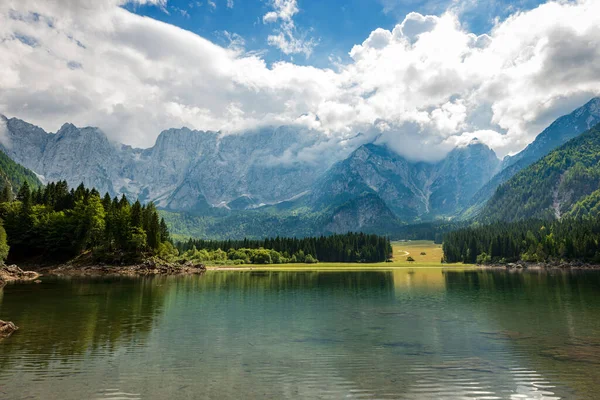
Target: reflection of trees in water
345	283
549	315
543	286
62	319
319	327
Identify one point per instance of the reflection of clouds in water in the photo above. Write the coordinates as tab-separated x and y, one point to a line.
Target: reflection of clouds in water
117	394
531	385
477	378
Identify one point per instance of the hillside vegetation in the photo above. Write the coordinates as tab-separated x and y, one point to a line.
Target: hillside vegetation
569	239
12	177
563	183
53	223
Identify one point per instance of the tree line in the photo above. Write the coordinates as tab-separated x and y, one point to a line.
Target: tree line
54	223
534	240
350	247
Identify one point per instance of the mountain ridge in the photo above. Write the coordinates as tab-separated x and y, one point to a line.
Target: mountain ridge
559	184
557	133
411	190
220	177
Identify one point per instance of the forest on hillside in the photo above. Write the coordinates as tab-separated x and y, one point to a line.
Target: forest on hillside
566	182
536	240
55	223
13	176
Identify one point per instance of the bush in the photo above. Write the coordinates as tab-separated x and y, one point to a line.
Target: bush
3	244
261	256
483	258
167	251
410	259
309	259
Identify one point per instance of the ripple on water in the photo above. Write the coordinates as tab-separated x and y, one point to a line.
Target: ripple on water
324	336
117	394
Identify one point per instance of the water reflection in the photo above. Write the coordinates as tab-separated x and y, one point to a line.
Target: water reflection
548	317
422	333
62	319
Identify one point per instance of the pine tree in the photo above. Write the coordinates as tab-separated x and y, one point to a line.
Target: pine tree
164	232
6	194
136	214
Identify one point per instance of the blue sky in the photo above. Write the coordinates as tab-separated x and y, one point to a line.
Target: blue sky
335	25
424	76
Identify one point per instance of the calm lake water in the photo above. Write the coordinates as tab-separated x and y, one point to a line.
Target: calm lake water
407	334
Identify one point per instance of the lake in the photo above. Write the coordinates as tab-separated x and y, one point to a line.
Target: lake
407	333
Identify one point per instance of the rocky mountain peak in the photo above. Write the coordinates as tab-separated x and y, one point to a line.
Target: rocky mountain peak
592	107
67	128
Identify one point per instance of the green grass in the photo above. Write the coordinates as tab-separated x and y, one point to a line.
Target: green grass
401	250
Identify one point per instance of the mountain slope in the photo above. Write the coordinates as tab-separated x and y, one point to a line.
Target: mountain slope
565	181
460	175
14	175
559	132
374	169
366	213
411	190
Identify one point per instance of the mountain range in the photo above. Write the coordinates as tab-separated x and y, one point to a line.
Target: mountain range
185	169
258	183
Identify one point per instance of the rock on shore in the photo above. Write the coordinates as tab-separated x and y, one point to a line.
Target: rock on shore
7	329
153	266
519	265
10	273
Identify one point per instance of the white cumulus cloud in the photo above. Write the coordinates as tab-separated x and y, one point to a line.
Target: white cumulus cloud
286	37
422	87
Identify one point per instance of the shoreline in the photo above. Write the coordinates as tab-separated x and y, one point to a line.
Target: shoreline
522	265
149	267
155	267
12	273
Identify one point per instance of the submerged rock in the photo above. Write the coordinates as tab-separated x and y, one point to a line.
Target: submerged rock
584	353
7	329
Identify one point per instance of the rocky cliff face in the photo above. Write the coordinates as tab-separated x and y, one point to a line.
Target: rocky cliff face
365	213
184	170
459	176
410	190
258	164
78	155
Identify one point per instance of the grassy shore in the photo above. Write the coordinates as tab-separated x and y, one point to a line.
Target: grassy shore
432	258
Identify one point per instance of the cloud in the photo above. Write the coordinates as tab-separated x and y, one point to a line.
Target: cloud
422	87
415	24
283	9
286	37
4	136
236	42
